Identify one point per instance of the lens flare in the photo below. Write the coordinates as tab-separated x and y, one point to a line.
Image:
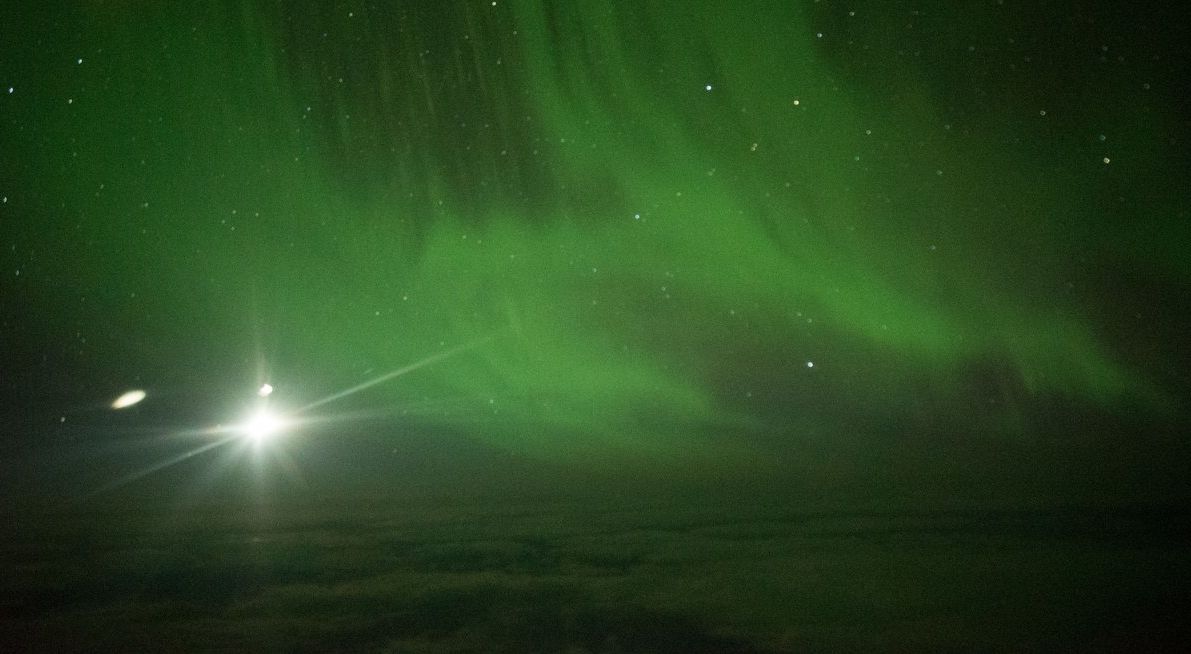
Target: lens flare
128	399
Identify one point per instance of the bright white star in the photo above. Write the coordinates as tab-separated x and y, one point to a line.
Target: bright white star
262	426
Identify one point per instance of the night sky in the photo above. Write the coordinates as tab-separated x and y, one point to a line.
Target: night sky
904	255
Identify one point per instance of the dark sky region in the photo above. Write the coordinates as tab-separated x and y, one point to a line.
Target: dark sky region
893	255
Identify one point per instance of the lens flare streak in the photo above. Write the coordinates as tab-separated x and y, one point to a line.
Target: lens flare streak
161	465
262	425
434	358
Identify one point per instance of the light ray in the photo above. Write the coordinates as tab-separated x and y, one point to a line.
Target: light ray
161	465
263	424
434	358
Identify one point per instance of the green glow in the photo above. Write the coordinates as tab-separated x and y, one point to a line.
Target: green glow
648	257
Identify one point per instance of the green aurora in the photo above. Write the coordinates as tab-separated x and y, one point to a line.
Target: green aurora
741	237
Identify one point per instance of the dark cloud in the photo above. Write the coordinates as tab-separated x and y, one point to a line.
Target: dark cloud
588	579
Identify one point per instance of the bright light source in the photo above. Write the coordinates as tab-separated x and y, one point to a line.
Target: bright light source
265	390
261	426
128	399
